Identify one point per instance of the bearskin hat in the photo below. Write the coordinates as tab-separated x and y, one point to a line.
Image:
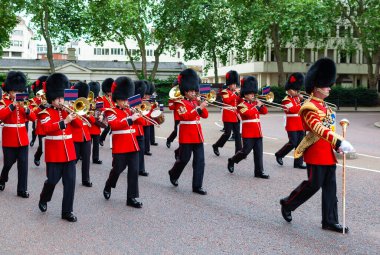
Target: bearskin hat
188	80
140	88
94	87
122	88
175	83
83	89
55	86
321	74
106	85
150	88
295	81
232	77
15	81
248	85
37	85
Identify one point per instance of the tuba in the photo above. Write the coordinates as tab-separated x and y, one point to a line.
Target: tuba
175	93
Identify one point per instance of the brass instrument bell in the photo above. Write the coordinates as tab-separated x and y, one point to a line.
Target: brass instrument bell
175	93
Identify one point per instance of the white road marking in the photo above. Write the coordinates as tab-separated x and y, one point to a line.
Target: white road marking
369	156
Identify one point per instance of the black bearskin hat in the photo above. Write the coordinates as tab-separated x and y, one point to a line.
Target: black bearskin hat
295	81
232	77
140	88
106	85
55	86
150	88
188	80
37	85
83	89
15	81
94	87
122	88
248	85
320	75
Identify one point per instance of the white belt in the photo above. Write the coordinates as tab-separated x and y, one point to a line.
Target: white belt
119	132
247	121
190	122
14	125
58	137
292	115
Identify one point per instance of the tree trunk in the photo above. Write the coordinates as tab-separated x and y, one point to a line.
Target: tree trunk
46	35
214	58
377	69
157	53
141	43
278	55
121	39
371	77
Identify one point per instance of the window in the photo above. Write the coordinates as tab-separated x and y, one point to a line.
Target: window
307	57
342	31
16	43
297	55
41	48
330	53
17	54
178	54
342	56
5	53
149	53
18	32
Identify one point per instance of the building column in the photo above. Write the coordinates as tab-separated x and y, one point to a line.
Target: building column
335	55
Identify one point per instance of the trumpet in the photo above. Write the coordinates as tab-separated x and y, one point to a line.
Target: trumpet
81	107
268	100
307	96
144	108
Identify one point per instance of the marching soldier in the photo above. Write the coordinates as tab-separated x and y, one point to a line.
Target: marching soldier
149	127
38	105
291	105
171	105
15	140
190	130
107	101
140	88
95	129
154	102
125	148
60	153
82	137
317	147
230	117
250	110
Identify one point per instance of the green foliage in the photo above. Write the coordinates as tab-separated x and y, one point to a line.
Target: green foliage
2	77
163	87
8	20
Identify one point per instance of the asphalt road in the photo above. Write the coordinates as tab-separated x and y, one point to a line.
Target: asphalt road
240	215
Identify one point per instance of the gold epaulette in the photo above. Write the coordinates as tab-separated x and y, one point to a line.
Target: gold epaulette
307	105
224	91
179	102
286	98
111	110
44	111
242	107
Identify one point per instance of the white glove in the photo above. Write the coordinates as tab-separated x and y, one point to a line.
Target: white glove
346	147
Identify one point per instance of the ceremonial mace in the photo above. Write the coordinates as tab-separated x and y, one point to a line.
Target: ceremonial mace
344	123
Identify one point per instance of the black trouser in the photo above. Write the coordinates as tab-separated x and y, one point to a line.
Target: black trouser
141	142
54	172
119	163
198	162
249	144
11	155
147	138
295	137
152	135
173	135
34	135
95	147
83	150
39	151
105	133
318	176
228	127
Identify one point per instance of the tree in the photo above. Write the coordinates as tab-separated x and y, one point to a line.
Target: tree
363	17
281	23
148	22
209	33
8	20
58	21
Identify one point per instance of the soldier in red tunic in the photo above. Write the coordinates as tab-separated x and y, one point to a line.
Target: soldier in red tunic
60	153
95	129
125	148
108	103
82	137
149	127
190	130
291	105
15	140
230	116
318	147
250	109
171	105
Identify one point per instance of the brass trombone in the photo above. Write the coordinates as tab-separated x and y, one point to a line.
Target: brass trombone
144	108
211	100
175	93
307	96
81	107
268	100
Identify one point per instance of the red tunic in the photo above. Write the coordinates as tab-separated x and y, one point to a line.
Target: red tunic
318	118
230	98
123	131
190	129
59	144
107	102
291	106
250	115
14	130
172	107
